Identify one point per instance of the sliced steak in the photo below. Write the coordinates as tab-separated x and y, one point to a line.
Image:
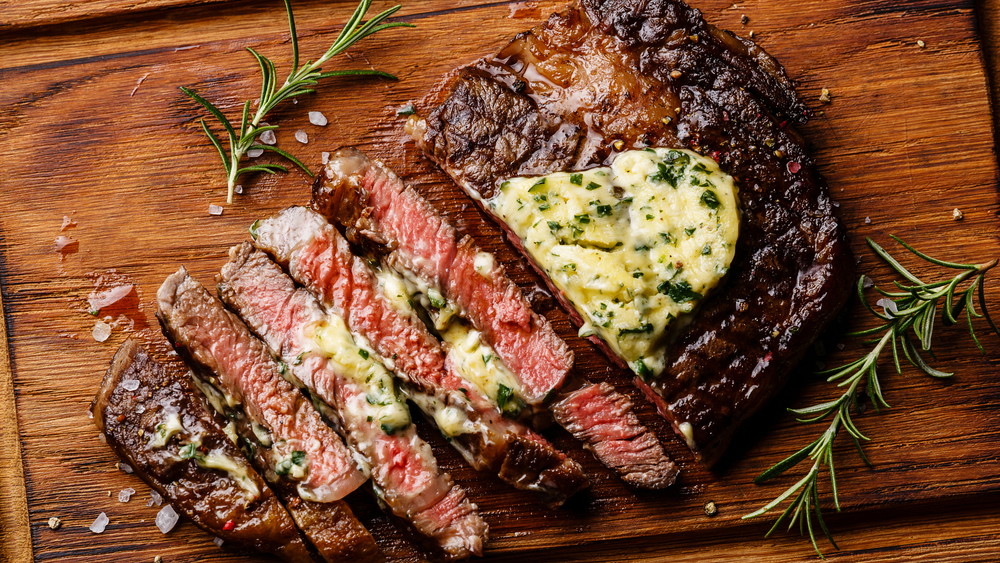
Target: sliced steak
150	413
302	447
635	73
370	201
373	205
319	258
220	342
603	419
403	466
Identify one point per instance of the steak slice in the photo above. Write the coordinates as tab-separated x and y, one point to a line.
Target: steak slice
373	205
404	469
319	258
244	370
635	73
149	412
370	201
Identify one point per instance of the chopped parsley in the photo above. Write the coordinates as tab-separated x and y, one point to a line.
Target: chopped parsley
645	328
576	179
363	353
710	199
680	292
582	218
554	226
593	186
603	210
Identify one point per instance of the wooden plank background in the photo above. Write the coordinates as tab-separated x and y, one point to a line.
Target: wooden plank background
92	126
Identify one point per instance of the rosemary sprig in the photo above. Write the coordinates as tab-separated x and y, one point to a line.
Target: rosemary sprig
300	81
907	324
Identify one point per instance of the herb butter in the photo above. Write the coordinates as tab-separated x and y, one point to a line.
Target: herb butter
634	246
383	403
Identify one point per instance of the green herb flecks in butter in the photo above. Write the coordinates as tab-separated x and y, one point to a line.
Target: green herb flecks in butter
383	403
634	246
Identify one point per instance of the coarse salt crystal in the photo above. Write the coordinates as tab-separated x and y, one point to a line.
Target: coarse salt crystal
317	118
100	524
867	282
268	138
101	298
215	209
254	153
302	137
55	523
126	468
125	495
957	214
166	518
218	541
888	305
324	157
130	384
154	498
102	331
868	220
63	241
67	223
238	189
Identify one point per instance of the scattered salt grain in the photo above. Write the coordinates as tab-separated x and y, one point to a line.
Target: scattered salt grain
957	214
218	541
868	220
102	438
166	519
840	346
126	468
888	305
125	495
324	157
254	153
867	282
238	189
824	95
215	209
154	498
101	298
63	242
302	137
67	223
317	118
101	332
921	44
158	559
130	384
100	524
267	137
54	523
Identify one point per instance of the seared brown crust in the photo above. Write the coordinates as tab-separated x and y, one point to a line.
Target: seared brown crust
653	73
209	498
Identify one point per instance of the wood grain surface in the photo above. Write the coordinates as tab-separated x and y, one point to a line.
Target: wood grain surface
93	127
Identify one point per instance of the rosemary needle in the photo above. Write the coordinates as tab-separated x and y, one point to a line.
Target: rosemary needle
300	81
907	316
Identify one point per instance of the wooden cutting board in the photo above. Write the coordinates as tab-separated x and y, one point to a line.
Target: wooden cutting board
93	127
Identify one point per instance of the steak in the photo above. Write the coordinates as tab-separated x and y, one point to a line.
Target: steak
374	206
370	201
319	258
605	76
403	466
302	448
149	412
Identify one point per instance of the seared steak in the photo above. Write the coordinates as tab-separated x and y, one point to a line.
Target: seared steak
319	258
302	448
605	76
373	205
403	467
371	202
151	416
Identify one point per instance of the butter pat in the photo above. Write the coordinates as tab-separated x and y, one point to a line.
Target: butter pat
634	246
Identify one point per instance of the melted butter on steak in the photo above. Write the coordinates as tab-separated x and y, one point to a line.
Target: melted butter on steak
635	247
